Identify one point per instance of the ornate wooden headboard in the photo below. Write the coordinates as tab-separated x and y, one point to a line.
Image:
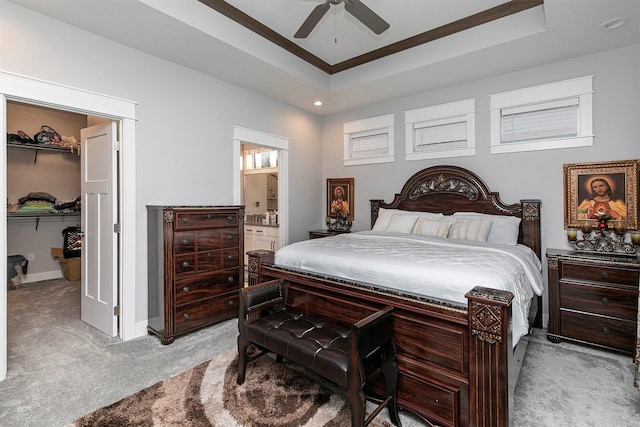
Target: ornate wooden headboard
449	189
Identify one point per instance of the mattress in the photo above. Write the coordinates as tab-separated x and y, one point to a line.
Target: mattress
440	268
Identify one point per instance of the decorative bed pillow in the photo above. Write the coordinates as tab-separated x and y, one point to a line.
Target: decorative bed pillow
384	216
433	228
470	229
402	223
504	229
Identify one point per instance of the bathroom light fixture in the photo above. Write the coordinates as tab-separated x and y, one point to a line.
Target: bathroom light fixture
614	23
317	103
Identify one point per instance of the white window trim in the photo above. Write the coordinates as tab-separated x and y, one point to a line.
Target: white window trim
379	124
454	111
579	88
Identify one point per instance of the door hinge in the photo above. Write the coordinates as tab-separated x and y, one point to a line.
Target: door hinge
116	145
116	310
116	228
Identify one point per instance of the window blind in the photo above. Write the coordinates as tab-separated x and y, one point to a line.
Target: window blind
549	120
369	145
440	135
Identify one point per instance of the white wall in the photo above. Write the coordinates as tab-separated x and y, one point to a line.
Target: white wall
516	175
185	119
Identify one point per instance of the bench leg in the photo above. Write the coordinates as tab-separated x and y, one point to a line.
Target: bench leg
242	359
358	403
390	372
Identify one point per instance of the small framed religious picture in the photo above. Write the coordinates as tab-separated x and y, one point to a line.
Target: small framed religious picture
340	197
596	191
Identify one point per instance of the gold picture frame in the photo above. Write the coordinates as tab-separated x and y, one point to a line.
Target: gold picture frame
592	188
337	203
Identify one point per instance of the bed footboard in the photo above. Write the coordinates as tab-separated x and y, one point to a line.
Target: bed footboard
453	361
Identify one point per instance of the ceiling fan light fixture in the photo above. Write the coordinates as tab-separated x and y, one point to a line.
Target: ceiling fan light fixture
355	7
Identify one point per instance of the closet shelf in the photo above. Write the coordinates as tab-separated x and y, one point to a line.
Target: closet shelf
20	216
41	147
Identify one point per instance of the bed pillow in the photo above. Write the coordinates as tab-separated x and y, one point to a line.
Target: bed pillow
504	229
384	216
470	229
430	227
402	223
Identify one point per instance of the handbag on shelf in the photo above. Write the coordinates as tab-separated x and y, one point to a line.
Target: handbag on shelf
47	135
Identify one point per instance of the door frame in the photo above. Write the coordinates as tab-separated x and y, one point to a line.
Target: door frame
243	135
28	90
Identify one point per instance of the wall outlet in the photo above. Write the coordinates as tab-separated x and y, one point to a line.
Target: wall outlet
31	256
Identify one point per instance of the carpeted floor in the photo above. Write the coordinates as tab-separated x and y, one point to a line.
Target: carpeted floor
61	369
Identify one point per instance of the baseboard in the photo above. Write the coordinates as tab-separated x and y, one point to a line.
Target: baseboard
38	277
141	328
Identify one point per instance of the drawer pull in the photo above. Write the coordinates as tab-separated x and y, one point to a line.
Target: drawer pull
185	219
185	264
186	289
230	257
605	300
230	236
209	254
230	279
186	316
230	218
185	242
606	330
605	275
231	302
208	216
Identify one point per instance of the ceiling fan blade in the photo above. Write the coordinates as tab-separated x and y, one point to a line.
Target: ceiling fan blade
367	16
312	20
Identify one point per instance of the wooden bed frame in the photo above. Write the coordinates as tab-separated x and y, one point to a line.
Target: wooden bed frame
457	365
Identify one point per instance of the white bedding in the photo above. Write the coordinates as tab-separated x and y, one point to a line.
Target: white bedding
433	267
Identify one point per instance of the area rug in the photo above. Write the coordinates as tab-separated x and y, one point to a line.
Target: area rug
273	395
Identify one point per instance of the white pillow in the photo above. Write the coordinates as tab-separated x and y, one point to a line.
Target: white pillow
504	229
384	216
433	228
402	223
470	229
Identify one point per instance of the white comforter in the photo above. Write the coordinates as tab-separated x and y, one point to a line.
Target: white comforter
445	269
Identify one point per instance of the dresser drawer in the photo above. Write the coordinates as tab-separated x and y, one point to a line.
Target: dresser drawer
203	286
603	300
184	242
203	262
189	220
206	312
597	273
616	333
218	259
217	238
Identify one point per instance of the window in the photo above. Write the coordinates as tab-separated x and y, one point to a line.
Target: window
556	115
368	140
446	130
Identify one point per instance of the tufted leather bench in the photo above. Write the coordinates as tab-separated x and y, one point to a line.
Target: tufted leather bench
344	355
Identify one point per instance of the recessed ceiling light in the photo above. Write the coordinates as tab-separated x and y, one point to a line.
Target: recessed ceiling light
317	103
614	23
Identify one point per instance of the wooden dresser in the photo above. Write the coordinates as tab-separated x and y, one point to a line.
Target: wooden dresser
593	298
196	266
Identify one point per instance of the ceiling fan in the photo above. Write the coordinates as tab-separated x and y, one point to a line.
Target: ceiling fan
355	7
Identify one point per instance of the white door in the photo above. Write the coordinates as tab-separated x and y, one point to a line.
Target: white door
99	214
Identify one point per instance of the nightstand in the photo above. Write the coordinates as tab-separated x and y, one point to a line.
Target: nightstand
316	234
593	298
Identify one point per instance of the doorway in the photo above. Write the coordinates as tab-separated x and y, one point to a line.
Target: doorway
37	92
248	137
